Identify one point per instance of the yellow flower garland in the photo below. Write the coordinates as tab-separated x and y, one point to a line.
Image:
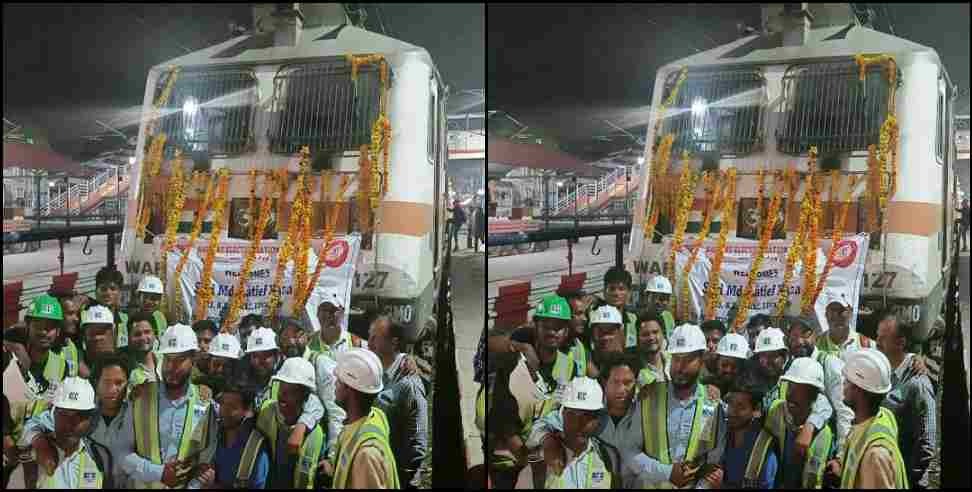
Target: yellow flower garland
795	250
176	201
193	236
302	242
328	236
205	294
713	190
283	256
654	206
761	178
153	155
256	237
810	249
746	299
686	194
835	236
713	291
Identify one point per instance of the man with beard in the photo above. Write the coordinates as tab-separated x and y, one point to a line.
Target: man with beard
165	415
684	429
332	340
108	284
69	341
803	343
141	344
744	464
262	360
106	428
655	363
577	342
82	463
839	338
619	423
606	326
550	322
772	356
872	459
278	418
732	359
47	368
787	419
658	296
242	459
224	354
205	330
617	293
148	299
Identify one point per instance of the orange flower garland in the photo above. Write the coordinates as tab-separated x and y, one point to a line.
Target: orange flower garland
810	249
686	194
193	236
205	294
746	300
365	177
256	237
302	241
153	155
328	236
796	248
659	160
713	190
835	236
176	200
761	177
283	256
714	290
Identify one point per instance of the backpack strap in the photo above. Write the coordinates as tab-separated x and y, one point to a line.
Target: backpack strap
612	458
96	454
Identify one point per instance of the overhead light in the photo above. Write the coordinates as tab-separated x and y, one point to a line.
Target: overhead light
481	192
50	184
560	184
189	107
699	106
641	160
131	160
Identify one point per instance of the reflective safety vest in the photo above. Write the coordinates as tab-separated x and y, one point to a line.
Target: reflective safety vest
251	450
596	470
654	419
669	323
648	375
54	371
71	356
315	346
145	411
88	476
579	353
268	396
630	330
884	430
563	372
160	323
774	428
121	335
374	429
310	449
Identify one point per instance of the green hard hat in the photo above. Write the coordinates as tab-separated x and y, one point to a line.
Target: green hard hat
553	306
46	307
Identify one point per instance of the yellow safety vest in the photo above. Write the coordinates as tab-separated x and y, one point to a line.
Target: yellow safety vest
121	338
647	376
145	411
374	428
669	323
248	459
54	370
631	330
563	372
315	346
654	419
310	449
70	355
88	475
160	323
274	392
578	351
774	428
883	429
593	466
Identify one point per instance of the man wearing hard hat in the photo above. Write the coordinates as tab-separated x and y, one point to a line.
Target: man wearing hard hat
606	334
277	419
577	342
364	456
787	419
261	361
149	298
550	323
772	355
224	354
47	368
82	463
871	459
658	295
732	355
165	415
589	462
840	338
331	339
69	342
684	429
98	330
106	425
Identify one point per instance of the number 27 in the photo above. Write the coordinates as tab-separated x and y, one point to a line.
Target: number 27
879	280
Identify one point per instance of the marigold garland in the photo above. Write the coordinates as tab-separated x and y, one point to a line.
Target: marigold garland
256	237
810	249
686	194
746	300
153	155
283	256
653	208
795	250
713	291
197	224
365	178
176	200
713	191
328	236
761	178
835	236
205	294
302	215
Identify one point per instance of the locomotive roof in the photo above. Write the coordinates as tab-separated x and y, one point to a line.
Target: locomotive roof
822	43
315	42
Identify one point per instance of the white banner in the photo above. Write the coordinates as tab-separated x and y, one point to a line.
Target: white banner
845	277
336	277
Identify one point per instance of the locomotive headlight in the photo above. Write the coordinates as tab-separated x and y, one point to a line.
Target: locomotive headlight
189	107
480	192
699	107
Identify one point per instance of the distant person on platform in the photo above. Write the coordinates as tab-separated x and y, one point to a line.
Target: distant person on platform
458	220
965	224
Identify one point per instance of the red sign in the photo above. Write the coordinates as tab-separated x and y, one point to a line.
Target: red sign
336	254
845	254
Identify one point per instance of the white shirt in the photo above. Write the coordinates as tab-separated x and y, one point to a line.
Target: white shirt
68	474
575	473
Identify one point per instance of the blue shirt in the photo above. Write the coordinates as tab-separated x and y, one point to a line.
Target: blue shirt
792	469
227	460
734	462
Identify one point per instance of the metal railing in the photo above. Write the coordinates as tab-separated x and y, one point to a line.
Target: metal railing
317	104
717	112
827	106
589	191
209	111
79	195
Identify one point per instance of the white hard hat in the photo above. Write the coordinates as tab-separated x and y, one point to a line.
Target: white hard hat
659	285
151	284
225	345
97	315
805	370
260	340
360	369
734	345
297	370
75	393
331	298
177	339
687	338
583	393
869	369
606	314
842	300
770	340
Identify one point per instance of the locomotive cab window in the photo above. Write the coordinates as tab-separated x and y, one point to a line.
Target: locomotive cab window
717	112
209	112
318	105
826	105
942	120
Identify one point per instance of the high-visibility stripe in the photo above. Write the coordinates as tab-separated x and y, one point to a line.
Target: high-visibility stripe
884	430
248	460
86	466
160	323
374	428
310	449
147	437
654	415
54	370
563	372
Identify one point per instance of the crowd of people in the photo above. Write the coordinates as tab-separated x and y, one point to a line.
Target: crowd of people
593	393
120	399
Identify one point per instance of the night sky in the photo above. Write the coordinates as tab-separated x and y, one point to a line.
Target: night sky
66	65
561	67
